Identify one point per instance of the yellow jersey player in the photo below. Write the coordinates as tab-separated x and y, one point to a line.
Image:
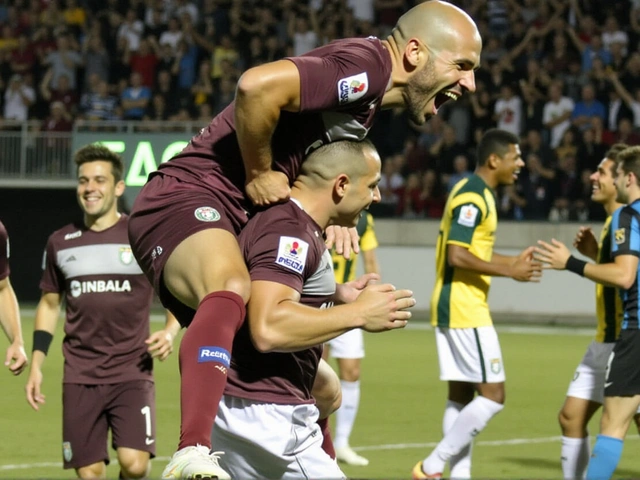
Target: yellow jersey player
468	347
348	349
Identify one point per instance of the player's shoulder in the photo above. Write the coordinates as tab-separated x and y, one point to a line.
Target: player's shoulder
470	190
68	232
284	219
351	46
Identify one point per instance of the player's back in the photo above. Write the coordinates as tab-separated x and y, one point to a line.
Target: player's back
625	224
341	89
282	244
459	298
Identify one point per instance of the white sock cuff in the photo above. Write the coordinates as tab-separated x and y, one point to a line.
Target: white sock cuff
492	407
350	385
454	405
574	441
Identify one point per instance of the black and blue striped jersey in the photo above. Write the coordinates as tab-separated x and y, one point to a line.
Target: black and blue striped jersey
625	240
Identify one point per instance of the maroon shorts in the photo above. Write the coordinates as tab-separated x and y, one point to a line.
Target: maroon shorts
168	210
89	411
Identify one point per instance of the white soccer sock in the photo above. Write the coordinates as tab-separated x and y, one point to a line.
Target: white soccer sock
575	457
346	414
471	420
460	464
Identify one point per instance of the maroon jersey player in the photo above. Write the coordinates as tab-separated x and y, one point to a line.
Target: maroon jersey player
291	314
185	221
107	380
15	358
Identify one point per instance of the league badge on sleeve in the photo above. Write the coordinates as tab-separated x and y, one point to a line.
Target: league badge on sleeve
468	215
292	253
352	88
619	236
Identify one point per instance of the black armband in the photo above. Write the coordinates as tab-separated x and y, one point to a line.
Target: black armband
576	265
41	341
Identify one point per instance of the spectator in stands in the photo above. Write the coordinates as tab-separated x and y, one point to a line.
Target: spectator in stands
587	108
537	188
95	58
567	189
63	61
460	171
508	110
99	104
18	97
557	113
23	57
135	98
145	61
64	93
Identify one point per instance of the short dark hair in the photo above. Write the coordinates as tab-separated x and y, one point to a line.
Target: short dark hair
328	159
495	141
629	158
612	154
95	152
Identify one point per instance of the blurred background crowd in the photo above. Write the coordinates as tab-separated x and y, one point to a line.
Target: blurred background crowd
564	75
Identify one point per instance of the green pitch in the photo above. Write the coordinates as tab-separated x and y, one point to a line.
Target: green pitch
399	420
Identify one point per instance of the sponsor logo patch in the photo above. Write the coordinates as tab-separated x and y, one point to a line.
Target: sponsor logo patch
71	236
214	354
67	453
207	214
292	253
352	88
619	236
468	215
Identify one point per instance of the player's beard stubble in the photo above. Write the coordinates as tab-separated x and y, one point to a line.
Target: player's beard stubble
420	88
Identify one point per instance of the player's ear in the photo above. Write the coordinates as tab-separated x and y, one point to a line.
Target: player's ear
414	53
120	186
341	185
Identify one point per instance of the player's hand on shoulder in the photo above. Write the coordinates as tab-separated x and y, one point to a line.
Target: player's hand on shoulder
16	359
268	188
160	344
32	389
526	267
346	240
586	242
385	308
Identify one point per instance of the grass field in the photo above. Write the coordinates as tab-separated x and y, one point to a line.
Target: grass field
400	414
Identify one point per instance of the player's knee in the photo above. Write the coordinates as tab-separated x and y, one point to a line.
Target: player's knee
240	284
134	464
566	421
350	374
497	395
93	471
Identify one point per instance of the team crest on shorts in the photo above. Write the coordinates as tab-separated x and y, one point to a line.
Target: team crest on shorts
207	214
126	255
66	451
495	365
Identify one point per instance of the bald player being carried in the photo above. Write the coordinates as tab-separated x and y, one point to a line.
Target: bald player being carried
186	220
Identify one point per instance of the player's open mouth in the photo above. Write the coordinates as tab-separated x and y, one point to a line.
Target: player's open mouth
444	96
516	174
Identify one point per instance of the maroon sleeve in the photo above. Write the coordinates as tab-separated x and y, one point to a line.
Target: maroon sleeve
282	254
343	73
52	279
4	253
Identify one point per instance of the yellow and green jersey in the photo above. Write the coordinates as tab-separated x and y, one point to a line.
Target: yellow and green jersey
470	219
345	270
609	309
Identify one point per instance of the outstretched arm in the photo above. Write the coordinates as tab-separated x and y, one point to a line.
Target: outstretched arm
16	358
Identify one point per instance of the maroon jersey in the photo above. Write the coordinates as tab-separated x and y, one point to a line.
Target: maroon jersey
107	304
341	89
282	244
4	253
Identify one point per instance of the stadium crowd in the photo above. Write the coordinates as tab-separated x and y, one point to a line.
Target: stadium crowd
562	75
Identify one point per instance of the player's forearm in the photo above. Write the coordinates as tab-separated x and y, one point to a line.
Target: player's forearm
503	259
256	118
468	261
291	326
262	93
609	274
10	313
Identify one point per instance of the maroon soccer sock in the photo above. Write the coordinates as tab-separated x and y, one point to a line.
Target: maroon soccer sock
327	441
205	353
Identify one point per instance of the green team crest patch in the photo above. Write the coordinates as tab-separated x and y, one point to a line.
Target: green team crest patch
66	451
207	214
126	255
496	366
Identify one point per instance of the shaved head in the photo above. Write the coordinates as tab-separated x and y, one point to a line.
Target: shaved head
330	160
436	24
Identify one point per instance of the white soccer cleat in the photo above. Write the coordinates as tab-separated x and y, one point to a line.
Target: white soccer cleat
348	456
195	463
